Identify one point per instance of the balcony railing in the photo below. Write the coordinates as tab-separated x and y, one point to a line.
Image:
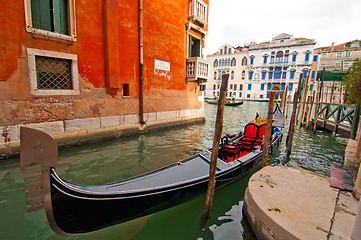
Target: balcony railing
197	69
198	11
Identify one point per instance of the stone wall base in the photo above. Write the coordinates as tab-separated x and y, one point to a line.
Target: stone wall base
77	131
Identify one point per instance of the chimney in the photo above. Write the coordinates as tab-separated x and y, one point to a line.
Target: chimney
333	46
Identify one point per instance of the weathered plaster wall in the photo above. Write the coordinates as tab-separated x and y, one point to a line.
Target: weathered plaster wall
165	39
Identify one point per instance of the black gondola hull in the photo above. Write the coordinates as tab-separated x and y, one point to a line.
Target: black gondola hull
77	213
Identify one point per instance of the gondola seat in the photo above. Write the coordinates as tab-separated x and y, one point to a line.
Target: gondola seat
253	134
233	151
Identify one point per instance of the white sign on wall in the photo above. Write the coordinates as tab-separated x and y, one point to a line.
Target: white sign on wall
161	65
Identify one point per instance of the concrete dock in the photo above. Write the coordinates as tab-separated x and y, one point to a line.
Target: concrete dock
289	203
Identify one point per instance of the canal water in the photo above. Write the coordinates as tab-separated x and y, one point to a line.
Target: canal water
112	160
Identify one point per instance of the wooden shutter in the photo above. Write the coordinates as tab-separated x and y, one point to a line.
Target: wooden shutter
60	16
40	14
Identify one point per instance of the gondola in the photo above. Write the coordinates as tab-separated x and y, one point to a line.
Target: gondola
74	209
233	103
227	102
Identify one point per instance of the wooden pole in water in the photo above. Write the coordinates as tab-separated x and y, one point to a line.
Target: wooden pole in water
288	103
291	128
340	93
300	98
311	110
268	129
326	90
315	118
332	92
355	121
303	99
318	98
285	100
216	141
305	112
282	95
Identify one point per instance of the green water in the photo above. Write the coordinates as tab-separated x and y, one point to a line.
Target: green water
117	159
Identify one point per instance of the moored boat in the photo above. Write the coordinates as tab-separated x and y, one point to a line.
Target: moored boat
227	102
77	209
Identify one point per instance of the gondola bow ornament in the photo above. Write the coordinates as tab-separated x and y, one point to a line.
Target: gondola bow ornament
38	155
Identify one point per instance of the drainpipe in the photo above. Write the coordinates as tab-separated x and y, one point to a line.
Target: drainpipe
141	63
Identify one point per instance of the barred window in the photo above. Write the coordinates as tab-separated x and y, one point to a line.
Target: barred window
53	73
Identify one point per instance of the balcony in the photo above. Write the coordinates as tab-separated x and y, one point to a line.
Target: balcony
197	69
198	12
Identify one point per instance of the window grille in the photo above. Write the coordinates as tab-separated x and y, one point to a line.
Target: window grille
53	73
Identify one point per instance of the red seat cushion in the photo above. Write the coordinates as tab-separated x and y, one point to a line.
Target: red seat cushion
262	130
247	139
238	155
251	130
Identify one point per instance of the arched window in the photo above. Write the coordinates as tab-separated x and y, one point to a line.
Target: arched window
215	64
305	73
225	50
233	63
278	72
265	57
292	74
250	75
284	73
270	73
243	74
286	56
215	75
251	60
221	52
264	75
232	75
279	57
307	56
244	61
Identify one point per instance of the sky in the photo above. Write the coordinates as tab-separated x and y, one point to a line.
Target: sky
237	22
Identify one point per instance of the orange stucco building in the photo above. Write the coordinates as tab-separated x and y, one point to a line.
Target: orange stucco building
70	66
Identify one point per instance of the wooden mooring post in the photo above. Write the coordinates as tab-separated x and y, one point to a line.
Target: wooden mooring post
291	128
285	100
288	103
311	109
318	98
216	142
355	121
267	135
303	100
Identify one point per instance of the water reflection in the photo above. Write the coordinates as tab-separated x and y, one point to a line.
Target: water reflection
117	159
231	227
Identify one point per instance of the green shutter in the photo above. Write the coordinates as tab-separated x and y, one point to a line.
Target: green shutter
197	46
40	14
189	46
60	16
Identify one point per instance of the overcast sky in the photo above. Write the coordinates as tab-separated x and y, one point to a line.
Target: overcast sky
237	22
